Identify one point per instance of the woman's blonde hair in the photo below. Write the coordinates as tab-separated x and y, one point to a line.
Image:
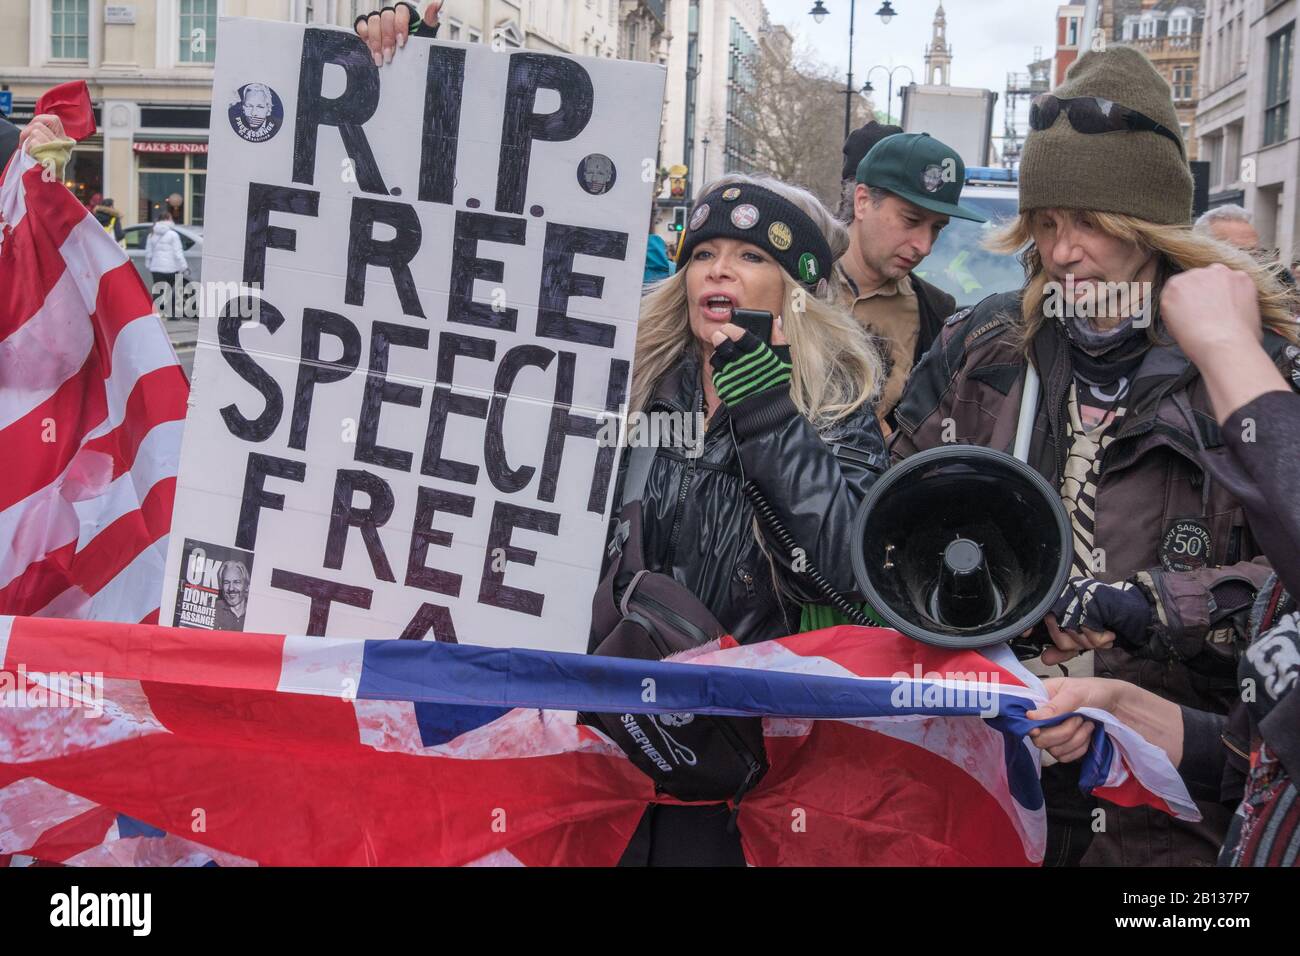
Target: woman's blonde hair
1179	248
836	367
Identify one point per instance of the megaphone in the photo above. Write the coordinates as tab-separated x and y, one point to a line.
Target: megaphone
961	547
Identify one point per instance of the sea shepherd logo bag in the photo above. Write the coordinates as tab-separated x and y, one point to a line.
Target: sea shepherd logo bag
645	615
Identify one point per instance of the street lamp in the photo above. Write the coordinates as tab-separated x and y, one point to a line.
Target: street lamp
705	143
819	13
889	94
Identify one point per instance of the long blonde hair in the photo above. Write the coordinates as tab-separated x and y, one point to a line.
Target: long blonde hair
836	367
1179	248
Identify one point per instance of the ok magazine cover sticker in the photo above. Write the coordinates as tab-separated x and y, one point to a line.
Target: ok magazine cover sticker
258	114
213	590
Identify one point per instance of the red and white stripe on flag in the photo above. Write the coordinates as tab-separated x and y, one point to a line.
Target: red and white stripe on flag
92	404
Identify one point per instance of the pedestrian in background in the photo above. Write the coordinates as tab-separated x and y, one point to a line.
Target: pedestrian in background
1232	224
106	215
658	260
164	257
857	146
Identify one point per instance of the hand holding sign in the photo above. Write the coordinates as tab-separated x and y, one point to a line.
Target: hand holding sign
387	29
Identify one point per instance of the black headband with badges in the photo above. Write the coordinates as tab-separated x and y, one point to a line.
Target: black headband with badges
759	216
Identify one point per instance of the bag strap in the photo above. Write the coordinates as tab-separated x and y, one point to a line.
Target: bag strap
639	460
626	555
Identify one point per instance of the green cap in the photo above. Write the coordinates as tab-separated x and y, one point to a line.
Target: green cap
922	170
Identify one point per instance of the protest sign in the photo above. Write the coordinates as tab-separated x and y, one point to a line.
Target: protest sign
399	428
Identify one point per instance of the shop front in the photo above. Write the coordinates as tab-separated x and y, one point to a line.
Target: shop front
171	175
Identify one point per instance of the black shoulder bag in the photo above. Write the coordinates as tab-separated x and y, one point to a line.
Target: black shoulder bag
645	615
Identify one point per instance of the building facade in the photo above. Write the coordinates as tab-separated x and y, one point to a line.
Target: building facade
148	65
1270	169
1169	32
1069	42
1221	110
643	30
1245	121
585	27
708	107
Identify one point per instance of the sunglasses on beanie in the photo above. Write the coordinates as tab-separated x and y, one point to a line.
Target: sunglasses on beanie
1093	114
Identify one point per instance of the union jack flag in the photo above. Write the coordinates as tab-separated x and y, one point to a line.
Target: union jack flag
147	745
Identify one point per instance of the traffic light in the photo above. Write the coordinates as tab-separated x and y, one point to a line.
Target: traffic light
679	219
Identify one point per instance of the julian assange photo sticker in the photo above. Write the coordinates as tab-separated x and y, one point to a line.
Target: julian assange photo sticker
596	174
257	114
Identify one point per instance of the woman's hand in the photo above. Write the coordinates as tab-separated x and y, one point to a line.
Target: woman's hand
385	31
744	365
1158	721
734	332
1069	740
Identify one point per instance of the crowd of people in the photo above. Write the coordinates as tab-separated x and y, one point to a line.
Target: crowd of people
1171	429
1151	422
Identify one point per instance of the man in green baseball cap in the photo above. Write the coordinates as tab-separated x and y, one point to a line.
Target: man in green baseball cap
908	188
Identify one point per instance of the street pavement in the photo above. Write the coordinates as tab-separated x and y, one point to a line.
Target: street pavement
184	333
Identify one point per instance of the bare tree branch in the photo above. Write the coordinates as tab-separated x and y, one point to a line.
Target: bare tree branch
798	118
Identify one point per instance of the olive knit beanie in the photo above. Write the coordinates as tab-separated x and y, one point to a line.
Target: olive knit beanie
1138	173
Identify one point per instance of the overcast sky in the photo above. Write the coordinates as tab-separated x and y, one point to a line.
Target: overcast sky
989	38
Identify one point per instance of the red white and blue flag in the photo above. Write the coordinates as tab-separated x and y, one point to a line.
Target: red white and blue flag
92	403
147	745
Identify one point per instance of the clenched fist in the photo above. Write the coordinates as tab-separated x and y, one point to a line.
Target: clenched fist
44	128
1210	310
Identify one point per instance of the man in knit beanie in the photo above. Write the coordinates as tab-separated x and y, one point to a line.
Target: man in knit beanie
1164	565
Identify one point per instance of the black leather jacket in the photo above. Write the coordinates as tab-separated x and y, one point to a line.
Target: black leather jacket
699	526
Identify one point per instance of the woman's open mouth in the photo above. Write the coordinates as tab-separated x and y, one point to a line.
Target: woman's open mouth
717	307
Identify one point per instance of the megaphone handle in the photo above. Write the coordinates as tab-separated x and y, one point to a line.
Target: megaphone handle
1028	411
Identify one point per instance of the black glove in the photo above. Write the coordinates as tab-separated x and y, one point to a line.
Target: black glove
749	366
1121	607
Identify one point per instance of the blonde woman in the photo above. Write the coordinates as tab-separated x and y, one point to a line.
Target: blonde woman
1165	562
794	415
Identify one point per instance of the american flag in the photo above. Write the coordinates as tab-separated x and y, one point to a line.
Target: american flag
92	403
244	749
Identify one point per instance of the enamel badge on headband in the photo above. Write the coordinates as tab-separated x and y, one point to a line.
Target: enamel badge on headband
744	216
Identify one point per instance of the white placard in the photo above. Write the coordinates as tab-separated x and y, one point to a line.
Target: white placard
448	253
